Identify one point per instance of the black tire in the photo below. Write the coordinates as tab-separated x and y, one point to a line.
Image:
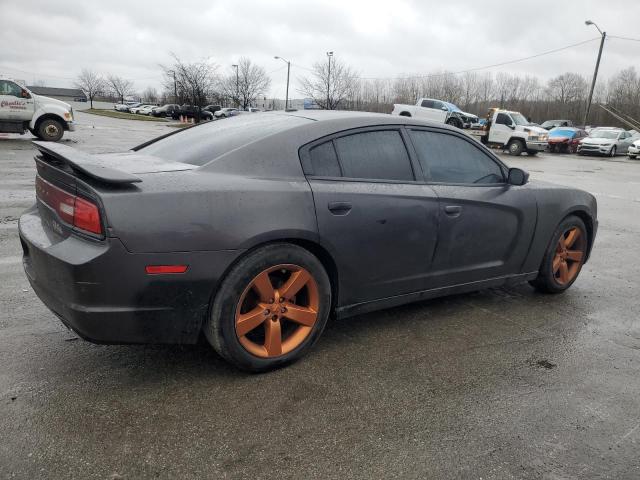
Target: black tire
50	130
612	153
546	280
455	122
532	153
552	149
516	147
220	327
405	114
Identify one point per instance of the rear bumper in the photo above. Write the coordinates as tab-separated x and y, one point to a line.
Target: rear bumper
102	292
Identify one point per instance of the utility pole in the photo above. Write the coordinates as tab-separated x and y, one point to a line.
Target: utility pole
286	98
329	55
237	86
595	73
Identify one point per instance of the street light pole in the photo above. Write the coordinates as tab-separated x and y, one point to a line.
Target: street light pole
329	55
595	73
237	86
286	98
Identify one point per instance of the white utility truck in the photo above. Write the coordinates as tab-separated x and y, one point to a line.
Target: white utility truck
511	131
22	110
436	111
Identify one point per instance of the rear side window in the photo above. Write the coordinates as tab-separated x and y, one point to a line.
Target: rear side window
379	155
324	161
450	159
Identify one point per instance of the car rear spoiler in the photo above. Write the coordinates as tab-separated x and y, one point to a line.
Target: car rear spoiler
85	163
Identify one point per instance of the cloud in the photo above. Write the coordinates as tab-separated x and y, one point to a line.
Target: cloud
53	42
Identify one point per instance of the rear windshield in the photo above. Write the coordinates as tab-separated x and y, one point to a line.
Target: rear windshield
201	144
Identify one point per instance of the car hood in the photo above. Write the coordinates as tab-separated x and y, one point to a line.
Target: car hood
533	129
51	101
598	141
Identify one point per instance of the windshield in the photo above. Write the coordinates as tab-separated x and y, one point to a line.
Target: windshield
610	134
562	132
519	119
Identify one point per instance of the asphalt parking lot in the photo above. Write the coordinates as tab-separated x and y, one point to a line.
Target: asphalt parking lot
504	383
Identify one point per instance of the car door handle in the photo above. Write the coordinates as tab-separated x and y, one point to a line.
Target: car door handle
339	208
453	210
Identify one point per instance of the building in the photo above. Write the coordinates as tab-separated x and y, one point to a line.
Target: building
64	94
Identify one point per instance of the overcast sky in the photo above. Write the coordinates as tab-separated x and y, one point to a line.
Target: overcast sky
52	41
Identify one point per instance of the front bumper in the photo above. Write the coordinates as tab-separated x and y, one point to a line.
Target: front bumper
538	146
633	150
594	149
102	292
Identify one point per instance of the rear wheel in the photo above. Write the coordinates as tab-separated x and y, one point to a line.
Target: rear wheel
270	309
50	130
564	257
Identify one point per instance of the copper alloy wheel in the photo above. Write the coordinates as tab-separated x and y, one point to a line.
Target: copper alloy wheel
277	311
570	252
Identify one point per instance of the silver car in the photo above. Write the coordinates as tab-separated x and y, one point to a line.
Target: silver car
605	141
634	149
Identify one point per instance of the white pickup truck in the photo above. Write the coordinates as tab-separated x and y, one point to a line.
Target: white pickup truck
22	110
513	132
436	111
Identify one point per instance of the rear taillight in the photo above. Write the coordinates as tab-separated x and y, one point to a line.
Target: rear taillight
76	211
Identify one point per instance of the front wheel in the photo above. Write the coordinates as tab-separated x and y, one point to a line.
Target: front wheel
612	153
270	309
564	257
50	130
515	147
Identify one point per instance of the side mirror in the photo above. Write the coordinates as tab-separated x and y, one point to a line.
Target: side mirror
517	176
512	126
444	109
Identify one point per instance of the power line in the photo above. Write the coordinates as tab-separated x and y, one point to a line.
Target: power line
485	67
625	38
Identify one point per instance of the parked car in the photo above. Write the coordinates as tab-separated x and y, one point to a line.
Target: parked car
124	107
147	109
252	110
212	108
138	108
178	237
226	112
605	141
634	149
565	139
190	111
549	124
165	110
436	111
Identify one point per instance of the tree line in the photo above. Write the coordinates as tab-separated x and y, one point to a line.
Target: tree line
334	84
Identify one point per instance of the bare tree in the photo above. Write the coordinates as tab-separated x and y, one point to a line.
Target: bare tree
329	90
247	84
150	95
91	83
194	82
120	87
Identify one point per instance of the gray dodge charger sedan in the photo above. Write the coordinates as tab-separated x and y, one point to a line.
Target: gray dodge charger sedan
253	230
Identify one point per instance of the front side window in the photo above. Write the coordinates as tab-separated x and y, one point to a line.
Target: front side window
450	159
10	88
379	155
427	103
503	119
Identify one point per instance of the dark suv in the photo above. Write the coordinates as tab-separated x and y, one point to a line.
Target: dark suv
165	110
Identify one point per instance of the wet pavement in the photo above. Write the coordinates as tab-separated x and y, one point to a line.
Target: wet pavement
503	383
